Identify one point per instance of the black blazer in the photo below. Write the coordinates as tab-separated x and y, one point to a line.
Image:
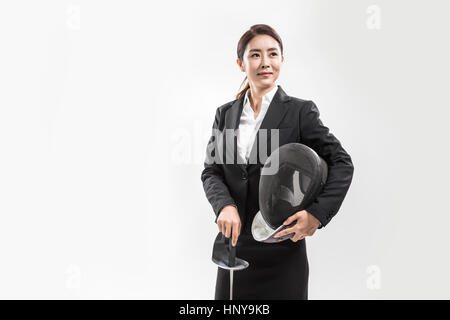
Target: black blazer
298	121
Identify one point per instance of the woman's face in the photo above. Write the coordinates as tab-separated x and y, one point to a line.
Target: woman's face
262	55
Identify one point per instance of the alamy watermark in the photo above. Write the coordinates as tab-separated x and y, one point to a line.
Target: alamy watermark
373	21
373	281
222	146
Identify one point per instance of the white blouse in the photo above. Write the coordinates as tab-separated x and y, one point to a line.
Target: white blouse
249	126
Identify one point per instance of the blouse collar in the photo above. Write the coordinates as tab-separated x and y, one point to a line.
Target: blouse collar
266	100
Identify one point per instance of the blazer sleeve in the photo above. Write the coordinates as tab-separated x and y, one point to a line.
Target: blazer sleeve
317	136
212	176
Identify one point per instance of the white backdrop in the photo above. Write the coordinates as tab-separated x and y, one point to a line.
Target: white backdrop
105	112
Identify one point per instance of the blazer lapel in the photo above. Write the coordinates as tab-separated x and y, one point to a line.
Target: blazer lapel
232	122
274	115
234	115
272	119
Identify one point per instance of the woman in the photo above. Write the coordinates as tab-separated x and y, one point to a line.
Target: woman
277	270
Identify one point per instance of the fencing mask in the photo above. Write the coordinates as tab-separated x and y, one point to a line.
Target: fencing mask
300	178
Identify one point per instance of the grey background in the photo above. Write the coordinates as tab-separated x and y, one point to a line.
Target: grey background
105	112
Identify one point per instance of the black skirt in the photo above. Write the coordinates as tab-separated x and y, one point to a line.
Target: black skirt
276	271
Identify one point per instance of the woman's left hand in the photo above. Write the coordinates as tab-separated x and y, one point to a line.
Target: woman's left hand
306	225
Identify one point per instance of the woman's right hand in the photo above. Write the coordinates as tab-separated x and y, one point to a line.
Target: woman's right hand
229	223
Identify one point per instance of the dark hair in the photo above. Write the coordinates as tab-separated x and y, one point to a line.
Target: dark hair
254	30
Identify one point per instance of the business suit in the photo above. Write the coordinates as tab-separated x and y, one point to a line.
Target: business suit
280	270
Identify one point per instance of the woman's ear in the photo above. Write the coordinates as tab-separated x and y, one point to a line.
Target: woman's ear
240	64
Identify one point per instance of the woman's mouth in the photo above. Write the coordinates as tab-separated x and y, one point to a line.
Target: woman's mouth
265	74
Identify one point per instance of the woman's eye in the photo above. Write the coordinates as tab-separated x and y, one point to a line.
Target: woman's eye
258	54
